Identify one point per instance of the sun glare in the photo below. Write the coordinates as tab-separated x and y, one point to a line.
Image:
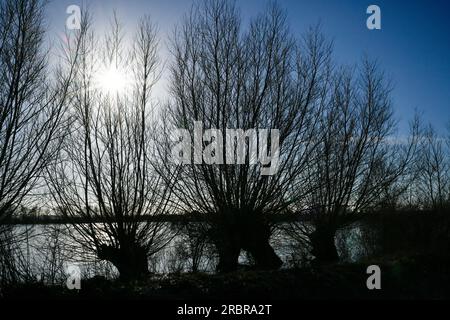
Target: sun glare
112	80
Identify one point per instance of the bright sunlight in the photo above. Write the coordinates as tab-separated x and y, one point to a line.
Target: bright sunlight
112	80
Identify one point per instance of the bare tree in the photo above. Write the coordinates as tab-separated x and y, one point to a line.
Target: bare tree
31	101
105	175
231	78
358	159
32	104
433	171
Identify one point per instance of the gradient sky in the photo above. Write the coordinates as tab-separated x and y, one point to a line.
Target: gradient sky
413	46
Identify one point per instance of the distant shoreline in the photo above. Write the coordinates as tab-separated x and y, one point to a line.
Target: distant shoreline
170	218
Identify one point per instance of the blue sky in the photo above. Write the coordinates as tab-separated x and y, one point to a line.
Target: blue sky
413	46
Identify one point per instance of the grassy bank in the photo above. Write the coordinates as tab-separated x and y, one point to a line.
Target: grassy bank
419	277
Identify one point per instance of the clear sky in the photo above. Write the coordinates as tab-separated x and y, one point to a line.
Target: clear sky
413	46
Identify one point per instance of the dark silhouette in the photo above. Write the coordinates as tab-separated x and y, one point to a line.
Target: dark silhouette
228	77
105	173
87	172
357	160
32	104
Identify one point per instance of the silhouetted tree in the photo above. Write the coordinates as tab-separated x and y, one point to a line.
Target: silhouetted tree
358	159
32	104
229	77
433	171
31	101
105	173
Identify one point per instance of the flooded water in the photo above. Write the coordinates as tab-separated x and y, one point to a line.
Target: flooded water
48	251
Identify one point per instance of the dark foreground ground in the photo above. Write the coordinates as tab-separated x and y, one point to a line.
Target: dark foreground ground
401	278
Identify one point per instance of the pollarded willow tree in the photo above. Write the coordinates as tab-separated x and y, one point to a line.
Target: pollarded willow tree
358	160
225	76
105	176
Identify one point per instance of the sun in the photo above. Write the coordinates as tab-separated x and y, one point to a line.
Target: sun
112	80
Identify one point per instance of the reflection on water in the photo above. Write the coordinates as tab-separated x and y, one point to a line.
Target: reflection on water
49	250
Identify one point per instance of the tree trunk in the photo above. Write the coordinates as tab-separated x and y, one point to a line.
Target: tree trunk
228	246
323	246
228	258
131	261
248	232
256	242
